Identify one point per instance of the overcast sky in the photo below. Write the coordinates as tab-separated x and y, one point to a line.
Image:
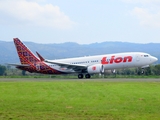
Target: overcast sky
81	21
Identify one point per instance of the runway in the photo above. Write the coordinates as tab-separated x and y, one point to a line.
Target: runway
94	80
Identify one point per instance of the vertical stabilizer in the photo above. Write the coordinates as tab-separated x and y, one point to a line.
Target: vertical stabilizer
25	55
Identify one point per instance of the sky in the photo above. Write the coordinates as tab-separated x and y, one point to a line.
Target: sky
80	21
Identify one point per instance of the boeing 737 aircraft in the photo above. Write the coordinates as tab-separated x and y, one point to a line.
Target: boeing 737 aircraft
81	65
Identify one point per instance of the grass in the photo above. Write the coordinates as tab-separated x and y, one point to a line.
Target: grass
79	99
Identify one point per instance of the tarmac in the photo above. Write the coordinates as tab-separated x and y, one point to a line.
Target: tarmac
92	79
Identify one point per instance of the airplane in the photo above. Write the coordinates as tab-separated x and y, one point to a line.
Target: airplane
82	66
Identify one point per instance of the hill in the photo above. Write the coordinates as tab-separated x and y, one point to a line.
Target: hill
8	52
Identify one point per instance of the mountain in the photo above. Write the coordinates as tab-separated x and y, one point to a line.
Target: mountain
8	52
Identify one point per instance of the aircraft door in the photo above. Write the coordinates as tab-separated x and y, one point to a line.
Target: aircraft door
137	58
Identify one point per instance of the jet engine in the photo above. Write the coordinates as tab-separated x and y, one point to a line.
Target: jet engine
97	68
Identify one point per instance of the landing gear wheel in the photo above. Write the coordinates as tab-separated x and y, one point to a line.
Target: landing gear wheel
80	76
87	76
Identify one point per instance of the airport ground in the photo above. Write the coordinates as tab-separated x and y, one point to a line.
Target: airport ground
112	99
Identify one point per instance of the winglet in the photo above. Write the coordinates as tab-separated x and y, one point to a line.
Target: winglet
40	57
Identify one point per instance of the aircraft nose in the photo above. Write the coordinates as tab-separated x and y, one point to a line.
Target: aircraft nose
154	59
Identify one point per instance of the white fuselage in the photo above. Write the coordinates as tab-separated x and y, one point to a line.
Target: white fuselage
109	61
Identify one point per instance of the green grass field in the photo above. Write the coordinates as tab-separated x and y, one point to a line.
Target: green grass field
36	99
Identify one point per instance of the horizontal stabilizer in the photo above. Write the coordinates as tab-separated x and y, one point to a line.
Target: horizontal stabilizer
19	65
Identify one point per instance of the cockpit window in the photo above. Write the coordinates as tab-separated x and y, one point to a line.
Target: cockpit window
145	55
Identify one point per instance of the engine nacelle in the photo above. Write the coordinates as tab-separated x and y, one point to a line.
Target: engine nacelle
97	68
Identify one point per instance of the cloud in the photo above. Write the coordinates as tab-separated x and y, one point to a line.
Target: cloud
146	11
142	1
30	12
147	18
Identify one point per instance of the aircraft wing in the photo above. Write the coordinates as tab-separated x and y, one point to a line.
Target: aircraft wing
76	67
19	65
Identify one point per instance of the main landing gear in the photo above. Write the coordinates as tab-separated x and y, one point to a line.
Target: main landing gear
80	76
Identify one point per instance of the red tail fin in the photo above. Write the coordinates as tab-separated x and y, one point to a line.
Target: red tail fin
25	55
